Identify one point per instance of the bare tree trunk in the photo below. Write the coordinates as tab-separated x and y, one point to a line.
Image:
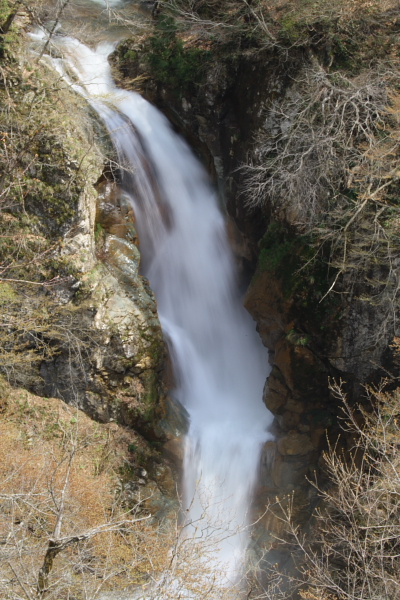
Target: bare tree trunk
55	544
5	27
43	578
56	22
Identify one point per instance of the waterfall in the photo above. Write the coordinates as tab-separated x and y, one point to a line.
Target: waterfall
220	364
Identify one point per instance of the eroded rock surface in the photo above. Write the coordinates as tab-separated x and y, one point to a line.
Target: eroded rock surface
121	378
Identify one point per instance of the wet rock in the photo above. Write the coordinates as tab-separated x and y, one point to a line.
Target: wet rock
266	303
289	474
157	502
275	392
172	425
114	212
267	459
120	376
175	450
357	349
295	443
289	420
164	476
294	406
174	418
273	400
222	120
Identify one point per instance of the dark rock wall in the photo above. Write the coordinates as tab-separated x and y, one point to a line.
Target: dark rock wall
310	341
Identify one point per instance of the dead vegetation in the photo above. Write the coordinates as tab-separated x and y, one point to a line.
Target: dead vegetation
75	520
64	527
326	123
279	24
327	161
48	162
352	549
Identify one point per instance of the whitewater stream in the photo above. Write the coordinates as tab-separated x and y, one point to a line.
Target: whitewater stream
219	362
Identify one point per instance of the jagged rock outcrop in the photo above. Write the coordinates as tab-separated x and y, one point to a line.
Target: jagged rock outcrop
121	378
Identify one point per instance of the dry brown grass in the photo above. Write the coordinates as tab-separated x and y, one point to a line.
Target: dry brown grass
351	550
35	442
38	437
342	9
277	23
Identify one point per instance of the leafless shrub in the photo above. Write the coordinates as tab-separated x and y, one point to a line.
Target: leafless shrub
67	531
44	172
304	153
353	549
327	161
208	19
270	23
63	529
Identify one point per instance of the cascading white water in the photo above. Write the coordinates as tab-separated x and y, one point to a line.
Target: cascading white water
218	358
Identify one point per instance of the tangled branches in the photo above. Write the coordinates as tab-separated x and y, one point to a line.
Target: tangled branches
304	153
327	161
36	326
351	551
358	544
272	24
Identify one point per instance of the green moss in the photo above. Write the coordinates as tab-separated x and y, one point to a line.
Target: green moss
275	247
4	11
56	202
130	55
305	275
280	253
170	62
320	418
150	398
98	232
298	339
7	294
45	165
292	30
11	37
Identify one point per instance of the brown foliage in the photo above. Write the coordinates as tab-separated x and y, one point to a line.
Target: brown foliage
49	455
66	529
332	171
352	551
46	164
279	24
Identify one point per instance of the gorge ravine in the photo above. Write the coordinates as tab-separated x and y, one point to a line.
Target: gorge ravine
219	362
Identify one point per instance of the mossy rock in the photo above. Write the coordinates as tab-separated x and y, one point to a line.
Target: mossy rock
171	62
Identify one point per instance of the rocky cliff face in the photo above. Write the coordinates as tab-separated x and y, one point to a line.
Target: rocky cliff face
79	321
104	349
121	380
313	334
